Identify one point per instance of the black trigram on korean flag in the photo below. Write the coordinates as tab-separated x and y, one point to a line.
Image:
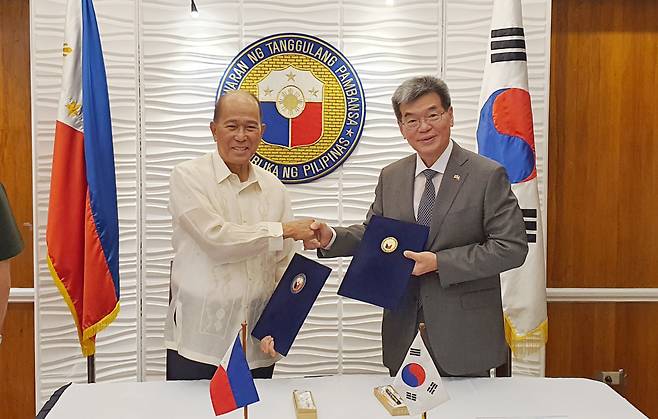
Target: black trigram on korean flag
507	44
414	351
432	387
411	396
530	218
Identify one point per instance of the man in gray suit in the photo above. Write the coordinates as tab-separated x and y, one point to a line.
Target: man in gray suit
476	232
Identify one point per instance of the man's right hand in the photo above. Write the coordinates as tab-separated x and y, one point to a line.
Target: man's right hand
322	236
298	230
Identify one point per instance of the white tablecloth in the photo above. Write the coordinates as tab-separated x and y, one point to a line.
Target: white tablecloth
350	396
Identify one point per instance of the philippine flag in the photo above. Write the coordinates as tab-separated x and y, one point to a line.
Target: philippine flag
82	235
505	134
418	381
232	386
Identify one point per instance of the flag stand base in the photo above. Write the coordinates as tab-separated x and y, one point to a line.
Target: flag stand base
91	369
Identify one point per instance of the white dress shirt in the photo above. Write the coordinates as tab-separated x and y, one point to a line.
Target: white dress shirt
229	256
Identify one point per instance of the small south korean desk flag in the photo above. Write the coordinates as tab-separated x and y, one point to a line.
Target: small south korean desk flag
418	381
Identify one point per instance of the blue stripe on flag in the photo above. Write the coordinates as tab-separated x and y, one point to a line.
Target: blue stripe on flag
239	376
99	153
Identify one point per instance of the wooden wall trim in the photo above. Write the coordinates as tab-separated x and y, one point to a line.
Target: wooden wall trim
620	295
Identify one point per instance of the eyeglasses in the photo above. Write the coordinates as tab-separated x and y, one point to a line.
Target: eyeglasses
432	118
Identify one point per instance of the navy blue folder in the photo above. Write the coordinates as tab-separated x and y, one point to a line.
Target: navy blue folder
379	272
291	301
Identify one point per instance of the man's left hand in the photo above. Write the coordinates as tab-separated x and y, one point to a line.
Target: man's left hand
267	346
425	262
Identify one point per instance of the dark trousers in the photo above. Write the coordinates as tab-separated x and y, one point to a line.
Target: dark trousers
181	368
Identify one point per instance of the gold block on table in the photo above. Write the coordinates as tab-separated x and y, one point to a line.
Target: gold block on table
305	407
391	400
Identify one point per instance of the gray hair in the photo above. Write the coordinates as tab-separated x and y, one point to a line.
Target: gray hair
416	87
240	92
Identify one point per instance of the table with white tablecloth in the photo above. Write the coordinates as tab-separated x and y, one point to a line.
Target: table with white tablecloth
350	396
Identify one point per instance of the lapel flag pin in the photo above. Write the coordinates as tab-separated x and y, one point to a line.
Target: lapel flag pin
456	177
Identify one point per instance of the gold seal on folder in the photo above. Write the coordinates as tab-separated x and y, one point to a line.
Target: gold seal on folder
389	245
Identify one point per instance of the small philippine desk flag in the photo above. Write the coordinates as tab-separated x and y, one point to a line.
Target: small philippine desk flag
232	386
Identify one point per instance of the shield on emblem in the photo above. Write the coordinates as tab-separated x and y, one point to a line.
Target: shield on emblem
291	101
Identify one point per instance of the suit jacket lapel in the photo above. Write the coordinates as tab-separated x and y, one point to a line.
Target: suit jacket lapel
406	178
452	181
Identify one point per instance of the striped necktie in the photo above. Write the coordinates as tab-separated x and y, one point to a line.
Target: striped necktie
427	199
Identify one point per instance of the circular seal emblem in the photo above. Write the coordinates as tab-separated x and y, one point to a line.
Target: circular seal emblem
298	283
389	245
312	103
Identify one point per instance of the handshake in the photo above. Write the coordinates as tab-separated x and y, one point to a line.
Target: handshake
314	234
317	235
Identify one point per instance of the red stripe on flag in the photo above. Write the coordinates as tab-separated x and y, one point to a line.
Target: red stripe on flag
75	256
65	235
221	394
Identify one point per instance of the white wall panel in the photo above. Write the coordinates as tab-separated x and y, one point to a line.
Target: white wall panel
385	44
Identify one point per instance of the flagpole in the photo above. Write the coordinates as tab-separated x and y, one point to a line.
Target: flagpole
244	349
91	369
421	329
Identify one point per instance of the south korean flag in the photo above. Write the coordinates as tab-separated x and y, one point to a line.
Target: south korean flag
418	381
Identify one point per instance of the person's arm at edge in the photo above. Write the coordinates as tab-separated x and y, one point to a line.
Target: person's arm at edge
12	247
5	286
